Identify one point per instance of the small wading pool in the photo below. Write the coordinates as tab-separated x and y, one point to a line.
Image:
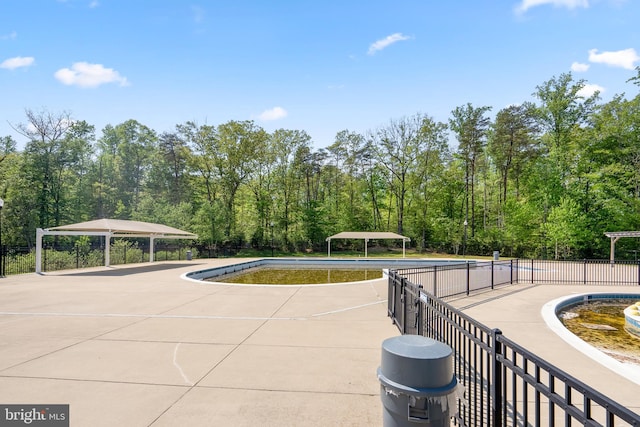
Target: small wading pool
306	271
587	322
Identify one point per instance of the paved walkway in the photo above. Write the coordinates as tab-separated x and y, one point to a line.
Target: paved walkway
139	346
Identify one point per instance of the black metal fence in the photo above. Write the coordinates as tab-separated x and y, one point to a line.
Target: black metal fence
22	260
601	272
449	280
506	385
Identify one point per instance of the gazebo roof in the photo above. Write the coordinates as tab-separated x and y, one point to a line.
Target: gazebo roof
367	235
622	233
122	228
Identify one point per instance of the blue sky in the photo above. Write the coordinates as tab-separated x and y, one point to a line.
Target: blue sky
319	66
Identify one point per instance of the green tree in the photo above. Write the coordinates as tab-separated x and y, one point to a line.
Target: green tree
397	147
46	157
471	126
289	148
512	144
236	146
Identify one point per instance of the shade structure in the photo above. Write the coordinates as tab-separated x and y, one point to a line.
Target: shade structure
615	236
111	228
366	236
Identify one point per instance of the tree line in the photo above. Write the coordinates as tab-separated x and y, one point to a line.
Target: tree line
545	178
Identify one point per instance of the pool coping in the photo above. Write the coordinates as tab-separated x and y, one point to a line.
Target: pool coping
549	313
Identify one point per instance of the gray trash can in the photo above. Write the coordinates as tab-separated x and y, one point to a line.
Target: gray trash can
496	255
417	385
188	255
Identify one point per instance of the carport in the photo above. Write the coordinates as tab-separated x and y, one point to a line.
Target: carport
366	236
111	228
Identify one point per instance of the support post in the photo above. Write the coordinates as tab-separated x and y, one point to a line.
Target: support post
612	254
151	244
107	249
39	234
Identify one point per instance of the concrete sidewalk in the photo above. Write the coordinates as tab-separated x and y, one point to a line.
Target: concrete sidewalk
139	346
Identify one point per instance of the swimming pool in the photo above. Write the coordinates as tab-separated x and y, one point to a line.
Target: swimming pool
304	263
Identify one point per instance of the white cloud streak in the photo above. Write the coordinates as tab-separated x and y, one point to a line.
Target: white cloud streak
17	62
88	75
386	42
620	58
275	113
579	67
198	14
11	36
569	4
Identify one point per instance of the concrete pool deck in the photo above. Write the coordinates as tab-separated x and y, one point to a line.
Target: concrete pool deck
136	345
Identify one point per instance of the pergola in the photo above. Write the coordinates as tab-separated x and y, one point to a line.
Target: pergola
366	236
615	236
111	228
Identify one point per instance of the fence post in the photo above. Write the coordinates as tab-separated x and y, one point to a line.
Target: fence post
403	303
467	278
435	280
492	265
531	270
496	378
77	257
511	272
419	308
584	273
3	262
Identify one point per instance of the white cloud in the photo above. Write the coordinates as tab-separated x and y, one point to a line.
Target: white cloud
274	113
12	35
579	67
569	4
84	74
589	89
198	14
385	42
94	4
17	62
621	58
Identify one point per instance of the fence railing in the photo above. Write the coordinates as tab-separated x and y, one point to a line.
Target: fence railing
449	280
506	385
601	272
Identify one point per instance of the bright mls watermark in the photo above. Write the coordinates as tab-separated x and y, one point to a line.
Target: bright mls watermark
34	415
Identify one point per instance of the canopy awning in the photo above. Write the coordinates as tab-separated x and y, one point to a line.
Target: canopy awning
111	228
614	236
123	228
366	236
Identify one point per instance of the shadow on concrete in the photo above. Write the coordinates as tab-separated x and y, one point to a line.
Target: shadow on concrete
125	271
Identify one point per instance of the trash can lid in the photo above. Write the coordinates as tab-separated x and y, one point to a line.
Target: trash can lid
416	361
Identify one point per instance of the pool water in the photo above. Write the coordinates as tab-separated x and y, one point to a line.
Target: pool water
601	323
297	276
